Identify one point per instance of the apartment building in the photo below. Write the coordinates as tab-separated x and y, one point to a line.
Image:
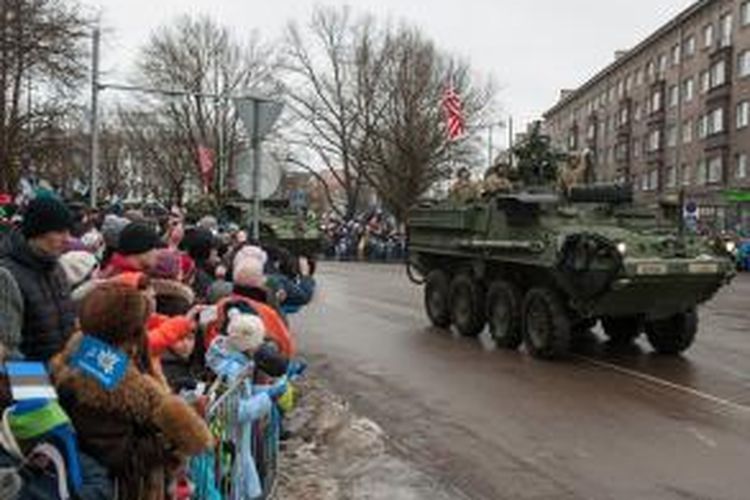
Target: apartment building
672	113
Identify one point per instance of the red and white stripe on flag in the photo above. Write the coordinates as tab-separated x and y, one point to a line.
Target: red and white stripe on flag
454	113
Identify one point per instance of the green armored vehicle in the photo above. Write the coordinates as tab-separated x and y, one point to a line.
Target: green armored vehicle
542	267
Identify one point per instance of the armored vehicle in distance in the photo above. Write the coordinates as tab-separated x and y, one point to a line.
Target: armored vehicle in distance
542	267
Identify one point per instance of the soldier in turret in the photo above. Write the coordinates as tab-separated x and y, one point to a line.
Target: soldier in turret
463	189
496	180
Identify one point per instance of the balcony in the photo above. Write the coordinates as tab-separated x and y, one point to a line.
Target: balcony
716	141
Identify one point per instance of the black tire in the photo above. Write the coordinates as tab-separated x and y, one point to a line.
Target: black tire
437	298
673	335
624	330
467	306
504	314
546	324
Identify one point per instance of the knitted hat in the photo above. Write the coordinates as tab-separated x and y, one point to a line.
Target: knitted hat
112	228
198	243
115	313
138	238
45	215
249	273
168	265
79	267
245	332
250	252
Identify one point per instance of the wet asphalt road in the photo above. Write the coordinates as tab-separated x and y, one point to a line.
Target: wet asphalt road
500	425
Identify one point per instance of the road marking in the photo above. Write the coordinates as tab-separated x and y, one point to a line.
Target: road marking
740	408
703	438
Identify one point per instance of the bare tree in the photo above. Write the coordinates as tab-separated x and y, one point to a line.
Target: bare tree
204	58
42	51
323	91
406	146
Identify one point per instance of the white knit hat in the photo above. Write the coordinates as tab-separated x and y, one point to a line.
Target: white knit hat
79	266
245	332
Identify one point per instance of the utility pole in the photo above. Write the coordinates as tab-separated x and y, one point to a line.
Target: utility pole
256	169
510	141
94	124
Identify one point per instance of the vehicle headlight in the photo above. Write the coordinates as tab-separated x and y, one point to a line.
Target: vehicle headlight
622	247
731	247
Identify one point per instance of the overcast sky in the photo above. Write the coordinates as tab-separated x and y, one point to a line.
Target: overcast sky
533	48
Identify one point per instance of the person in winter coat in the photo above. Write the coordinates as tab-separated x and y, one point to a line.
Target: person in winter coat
136	251
31	256
200	244
11	315
124	416
173	297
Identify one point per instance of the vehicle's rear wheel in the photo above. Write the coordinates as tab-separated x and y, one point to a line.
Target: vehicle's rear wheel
437	298
504	314
623	330
673	335
546	324
467	306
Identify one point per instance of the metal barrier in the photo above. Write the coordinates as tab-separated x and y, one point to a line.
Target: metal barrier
246	425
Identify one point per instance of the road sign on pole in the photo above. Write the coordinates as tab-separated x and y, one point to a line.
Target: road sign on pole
258	115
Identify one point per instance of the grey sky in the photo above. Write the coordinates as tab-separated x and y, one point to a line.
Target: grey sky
533	48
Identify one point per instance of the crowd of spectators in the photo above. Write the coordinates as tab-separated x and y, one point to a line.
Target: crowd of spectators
371	236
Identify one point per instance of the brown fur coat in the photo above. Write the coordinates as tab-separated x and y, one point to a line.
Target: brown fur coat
137	430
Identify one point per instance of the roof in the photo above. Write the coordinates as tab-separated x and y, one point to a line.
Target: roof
631	54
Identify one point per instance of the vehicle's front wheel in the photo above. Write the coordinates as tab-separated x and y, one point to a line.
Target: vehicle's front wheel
546	324
673	335
467	306
437	298
624	330
504	314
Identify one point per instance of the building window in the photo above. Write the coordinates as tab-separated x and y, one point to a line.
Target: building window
701	127
743	64
676	52
690	46
700	173
687	132
743	114
671	177
653	182
656	101
651	70
715	170
662	63
654	141
591	131
674	96
708	36
637	112
725	24
688	89
636	149
741	170
620	89
745	13
672	136
639	77
628	83
715	122
624	116
718	74
705	81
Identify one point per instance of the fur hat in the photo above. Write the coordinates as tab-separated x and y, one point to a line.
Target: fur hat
79	267
245	332
138	238
115	313
249	273
44	215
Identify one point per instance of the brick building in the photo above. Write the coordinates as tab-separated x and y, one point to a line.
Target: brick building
673	113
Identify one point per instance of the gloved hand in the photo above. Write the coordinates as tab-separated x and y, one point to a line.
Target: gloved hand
297	368
278	389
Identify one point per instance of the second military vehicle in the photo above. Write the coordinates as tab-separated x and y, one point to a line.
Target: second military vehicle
542	267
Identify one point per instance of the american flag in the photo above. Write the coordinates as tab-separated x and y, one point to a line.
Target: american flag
454	113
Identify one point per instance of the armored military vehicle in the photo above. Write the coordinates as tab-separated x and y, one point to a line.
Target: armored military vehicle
540	267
